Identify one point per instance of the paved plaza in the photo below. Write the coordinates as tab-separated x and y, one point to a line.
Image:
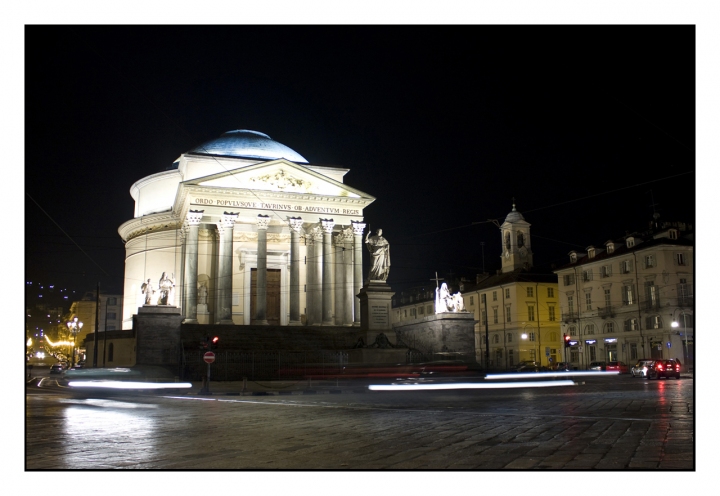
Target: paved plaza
608	423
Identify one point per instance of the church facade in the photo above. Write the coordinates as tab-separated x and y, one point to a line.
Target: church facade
243	230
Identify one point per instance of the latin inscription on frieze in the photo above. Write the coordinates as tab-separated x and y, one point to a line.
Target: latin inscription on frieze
289	207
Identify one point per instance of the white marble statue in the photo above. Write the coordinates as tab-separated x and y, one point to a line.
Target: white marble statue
166	286
202	294
446	302
148	291
379	248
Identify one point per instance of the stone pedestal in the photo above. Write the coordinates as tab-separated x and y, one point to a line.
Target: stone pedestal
443	336
157	334
375	307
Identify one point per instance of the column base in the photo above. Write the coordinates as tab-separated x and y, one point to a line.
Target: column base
190	321
329	323
259	322
226	322
295	323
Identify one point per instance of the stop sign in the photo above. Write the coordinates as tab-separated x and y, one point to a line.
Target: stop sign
209	357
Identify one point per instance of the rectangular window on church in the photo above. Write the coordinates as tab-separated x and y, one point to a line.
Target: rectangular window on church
529	292
531	313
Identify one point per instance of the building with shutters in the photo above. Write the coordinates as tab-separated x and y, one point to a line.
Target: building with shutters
620	299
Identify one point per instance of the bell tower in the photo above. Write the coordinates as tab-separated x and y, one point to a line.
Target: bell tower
516	249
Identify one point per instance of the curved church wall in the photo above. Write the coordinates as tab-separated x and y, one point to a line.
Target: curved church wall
155	193
147	257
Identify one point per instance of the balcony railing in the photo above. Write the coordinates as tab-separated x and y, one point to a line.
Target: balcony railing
569	316
685	301
651	304
605	312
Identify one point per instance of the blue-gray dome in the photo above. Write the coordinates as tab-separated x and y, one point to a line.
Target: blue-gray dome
248	144
514	216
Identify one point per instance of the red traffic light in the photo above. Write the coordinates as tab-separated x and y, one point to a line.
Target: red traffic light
215	340
566	337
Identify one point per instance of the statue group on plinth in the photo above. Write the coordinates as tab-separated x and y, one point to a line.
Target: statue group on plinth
165	293
446	302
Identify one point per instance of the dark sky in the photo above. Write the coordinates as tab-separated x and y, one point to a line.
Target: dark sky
585	126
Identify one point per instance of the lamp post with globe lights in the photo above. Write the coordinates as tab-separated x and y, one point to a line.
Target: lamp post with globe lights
74	327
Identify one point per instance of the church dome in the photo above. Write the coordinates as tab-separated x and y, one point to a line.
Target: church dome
514	215
248	144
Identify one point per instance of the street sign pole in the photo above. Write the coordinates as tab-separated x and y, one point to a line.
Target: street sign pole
208	357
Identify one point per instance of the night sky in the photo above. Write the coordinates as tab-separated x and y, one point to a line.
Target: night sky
590	128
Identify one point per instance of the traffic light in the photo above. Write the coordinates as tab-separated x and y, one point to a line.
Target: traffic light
215	341
566	338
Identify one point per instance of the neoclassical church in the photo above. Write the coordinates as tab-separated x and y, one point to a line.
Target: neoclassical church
243	230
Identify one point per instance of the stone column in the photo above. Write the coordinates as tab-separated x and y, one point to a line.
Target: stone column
358	228
189	282
348	295
261	301
225	228
295	228
338	249
318	257
327	307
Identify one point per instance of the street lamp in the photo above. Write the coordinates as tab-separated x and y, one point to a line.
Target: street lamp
524	336
74	327
675	325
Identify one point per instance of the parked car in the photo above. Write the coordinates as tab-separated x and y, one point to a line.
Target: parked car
525	363
664	368
563	366
641	367
597	366
617	366
533	368
57	368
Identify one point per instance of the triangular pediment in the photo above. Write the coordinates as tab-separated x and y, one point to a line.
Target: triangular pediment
278	176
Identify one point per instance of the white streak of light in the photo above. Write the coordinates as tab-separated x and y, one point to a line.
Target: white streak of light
530	375
130	385
504	385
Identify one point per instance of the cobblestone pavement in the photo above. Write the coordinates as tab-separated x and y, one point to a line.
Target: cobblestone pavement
607	423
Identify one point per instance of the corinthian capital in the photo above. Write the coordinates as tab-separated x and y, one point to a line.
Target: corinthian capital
295	223
193	217
227	221
357	227
263	221
327	225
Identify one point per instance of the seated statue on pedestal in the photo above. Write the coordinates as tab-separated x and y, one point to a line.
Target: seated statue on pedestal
166	286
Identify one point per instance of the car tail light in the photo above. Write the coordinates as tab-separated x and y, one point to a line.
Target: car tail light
659	366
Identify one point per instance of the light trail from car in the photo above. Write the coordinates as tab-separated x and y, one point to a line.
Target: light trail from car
497	385
129	385
530	375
